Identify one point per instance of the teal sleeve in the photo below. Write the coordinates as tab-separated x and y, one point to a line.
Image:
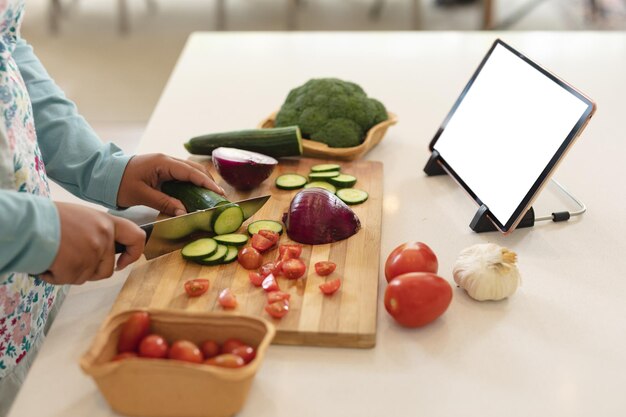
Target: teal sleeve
30	232
73	154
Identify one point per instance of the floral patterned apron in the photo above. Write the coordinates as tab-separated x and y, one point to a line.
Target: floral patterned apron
25	301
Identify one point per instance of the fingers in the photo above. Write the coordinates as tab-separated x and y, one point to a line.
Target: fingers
133	237
160	201
189	171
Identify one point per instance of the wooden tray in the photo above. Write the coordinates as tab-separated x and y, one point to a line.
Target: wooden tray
315	149
347	318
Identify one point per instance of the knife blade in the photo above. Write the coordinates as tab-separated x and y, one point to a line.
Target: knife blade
167	235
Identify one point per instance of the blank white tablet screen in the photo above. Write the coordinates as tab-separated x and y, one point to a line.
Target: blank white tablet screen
506	130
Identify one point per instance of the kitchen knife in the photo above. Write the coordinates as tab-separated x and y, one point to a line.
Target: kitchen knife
167	235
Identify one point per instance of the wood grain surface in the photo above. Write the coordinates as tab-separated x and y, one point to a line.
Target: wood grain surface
344	319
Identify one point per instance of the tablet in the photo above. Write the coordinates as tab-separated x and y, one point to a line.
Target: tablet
507	132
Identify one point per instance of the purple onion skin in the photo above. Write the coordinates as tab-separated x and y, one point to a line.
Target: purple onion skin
317	216
243	175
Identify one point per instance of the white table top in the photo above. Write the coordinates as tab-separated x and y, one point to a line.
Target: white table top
556	348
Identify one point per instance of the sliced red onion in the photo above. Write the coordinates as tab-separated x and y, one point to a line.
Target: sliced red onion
244	170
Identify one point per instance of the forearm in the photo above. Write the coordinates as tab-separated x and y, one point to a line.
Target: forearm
73	154
29	232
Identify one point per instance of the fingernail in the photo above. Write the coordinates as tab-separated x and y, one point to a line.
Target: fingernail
222	190
179	212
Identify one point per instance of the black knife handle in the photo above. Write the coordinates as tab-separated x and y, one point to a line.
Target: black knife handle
119	248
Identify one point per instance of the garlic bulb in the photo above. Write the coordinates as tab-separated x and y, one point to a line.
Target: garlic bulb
487	272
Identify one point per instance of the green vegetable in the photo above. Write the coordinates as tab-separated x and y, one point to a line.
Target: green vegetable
325	167
274	142
231	255
272	225
331	111
290	181
198	249
322	176
343	181
216	258
352	195
321	184
232	239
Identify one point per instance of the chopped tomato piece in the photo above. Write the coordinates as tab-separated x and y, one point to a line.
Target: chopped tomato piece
270	284
196	287
249	257
270	235
289	251
329	287
278	309
227	299
293	268
274	296
270	268
255	278
260	243
324	268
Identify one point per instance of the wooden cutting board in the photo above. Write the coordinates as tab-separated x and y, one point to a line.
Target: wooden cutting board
344	319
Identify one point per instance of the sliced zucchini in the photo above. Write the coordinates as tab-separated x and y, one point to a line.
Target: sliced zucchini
323	175
321	184
352	195
198	249
227	220
290	181
231	254
232	239
343	181
325	167
216	258
272	225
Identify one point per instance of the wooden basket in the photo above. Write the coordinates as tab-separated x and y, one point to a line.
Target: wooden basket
321	150
169	388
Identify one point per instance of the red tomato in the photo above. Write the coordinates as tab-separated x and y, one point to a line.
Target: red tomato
184	350
196	287
249	258
417	298
124	355
329	287
260	243
274	296
227	299
153	346
270	284
210	348
137	327
270	268
289	251
255	278
410	257
230	345
324	268
278	309
270	235
293	268
247	353
226	360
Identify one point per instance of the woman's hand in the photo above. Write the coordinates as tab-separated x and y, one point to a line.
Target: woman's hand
87	247
144	175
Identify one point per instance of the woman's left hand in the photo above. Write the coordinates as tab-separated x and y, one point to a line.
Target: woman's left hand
144	175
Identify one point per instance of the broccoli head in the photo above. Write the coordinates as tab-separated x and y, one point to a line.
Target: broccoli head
331	111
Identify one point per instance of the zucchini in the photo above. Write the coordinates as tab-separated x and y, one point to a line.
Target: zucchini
227	219
325	167
276	142
216	258
232	239
313	176
272	225
231	254
343	181
352	195
198	249
322	184
290	181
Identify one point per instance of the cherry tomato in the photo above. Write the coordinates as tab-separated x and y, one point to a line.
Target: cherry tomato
247	353
196	287
136	327
184	350
289	251
329	287
270	235
410	257
415	299
153	346
124	355
210	348
269	283
274	296
226	360
293	268
255	278
230	345
227	299
270	268
260	243
278	309
249	258
324	268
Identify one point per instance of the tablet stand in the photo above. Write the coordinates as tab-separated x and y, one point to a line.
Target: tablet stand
481	223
